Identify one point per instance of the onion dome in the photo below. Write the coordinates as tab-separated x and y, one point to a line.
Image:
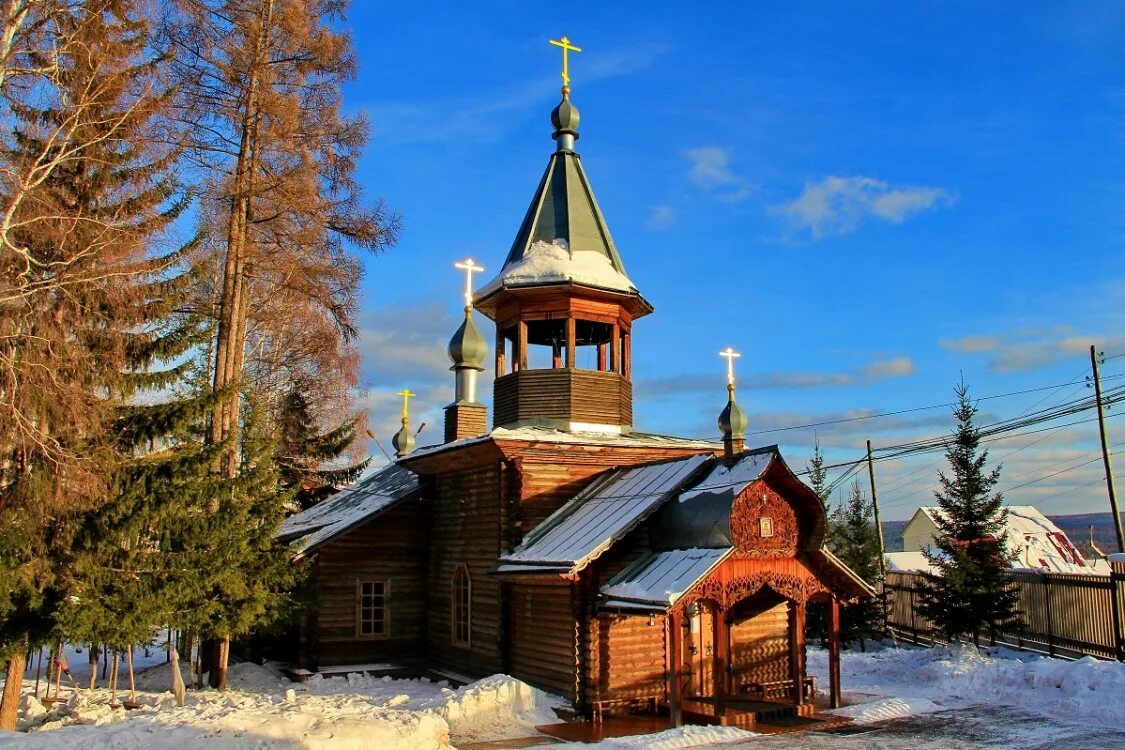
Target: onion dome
403	441
565	119
732	420
468	347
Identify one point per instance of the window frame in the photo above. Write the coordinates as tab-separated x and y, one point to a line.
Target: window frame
461	573
386	596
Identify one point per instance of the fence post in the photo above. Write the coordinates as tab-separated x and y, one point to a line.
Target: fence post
1115	612
913	621
1050	628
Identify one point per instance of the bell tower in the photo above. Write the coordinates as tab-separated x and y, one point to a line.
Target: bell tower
563	305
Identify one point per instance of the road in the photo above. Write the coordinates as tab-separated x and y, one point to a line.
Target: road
972	728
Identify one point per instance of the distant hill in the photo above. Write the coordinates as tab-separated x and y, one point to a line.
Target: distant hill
1076	526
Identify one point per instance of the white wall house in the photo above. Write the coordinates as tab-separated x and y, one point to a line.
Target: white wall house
1037	542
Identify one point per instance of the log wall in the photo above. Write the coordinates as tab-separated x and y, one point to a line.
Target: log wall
760	645
628	663
543	635
563	395
391	548
467	520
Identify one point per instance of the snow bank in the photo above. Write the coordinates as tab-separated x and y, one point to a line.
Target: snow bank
923	680
670	739
498	707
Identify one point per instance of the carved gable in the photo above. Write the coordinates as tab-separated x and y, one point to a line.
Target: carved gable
763	523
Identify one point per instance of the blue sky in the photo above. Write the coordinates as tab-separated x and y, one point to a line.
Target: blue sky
865	200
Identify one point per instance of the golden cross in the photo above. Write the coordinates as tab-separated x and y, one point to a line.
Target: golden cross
470	267
730	355
406	394
566	46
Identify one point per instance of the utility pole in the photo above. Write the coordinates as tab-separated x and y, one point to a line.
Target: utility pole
882	545
875	505
1106	452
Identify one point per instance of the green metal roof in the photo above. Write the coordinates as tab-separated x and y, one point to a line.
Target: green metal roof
564	207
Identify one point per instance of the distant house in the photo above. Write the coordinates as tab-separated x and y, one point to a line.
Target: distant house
1036	541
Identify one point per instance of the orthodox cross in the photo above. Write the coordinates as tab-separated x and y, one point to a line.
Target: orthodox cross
406	394
470	267
566	46
730	355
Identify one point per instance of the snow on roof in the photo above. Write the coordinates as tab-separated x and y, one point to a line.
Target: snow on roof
320	523
659	579
1035	539
735	478
904	562
554	262
599	515
553	435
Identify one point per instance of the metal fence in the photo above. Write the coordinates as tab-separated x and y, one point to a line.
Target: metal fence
1061	614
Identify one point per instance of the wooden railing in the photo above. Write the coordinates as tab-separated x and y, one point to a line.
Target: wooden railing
1061	614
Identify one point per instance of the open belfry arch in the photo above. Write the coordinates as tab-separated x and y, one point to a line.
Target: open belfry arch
620	569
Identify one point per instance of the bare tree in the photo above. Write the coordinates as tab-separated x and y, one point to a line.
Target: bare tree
261	94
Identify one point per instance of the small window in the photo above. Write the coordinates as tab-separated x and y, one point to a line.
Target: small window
462	600
765	526
371	609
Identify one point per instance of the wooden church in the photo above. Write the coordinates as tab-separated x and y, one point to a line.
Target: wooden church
619	569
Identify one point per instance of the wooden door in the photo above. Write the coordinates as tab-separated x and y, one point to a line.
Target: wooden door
699	653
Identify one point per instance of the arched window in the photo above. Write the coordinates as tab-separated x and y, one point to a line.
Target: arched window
462	605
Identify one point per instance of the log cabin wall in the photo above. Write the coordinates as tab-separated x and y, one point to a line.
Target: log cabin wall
760	644
468	512
392	548
623	655
543	636
562	395
628	663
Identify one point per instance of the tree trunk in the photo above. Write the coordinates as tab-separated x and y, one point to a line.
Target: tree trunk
13	682
93	665
218	676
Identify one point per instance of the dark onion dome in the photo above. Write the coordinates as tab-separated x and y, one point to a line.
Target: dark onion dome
732	420
565	118
468	347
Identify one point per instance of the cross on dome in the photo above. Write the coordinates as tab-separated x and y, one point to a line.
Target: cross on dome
406	396
730	355
469	266
565	45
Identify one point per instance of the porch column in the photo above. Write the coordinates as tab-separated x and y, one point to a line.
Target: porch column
720	645
834	652
797	651
675	657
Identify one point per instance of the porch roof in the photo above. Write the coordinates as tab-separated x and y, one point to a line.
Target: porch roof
599	515
656	581
348	508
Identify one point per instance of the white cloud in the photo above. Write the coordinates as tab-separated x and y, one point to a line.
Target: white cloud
894	367
1032	349
972	344
837	205
710	170
661	217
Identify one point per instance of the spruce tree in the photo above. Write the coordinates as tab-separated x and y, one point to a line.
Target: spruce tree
968	591
305	454
817	618
852	538
86	170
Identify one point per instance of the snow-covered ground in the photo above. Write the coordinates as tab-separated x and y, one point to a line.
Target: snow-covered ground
963	690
